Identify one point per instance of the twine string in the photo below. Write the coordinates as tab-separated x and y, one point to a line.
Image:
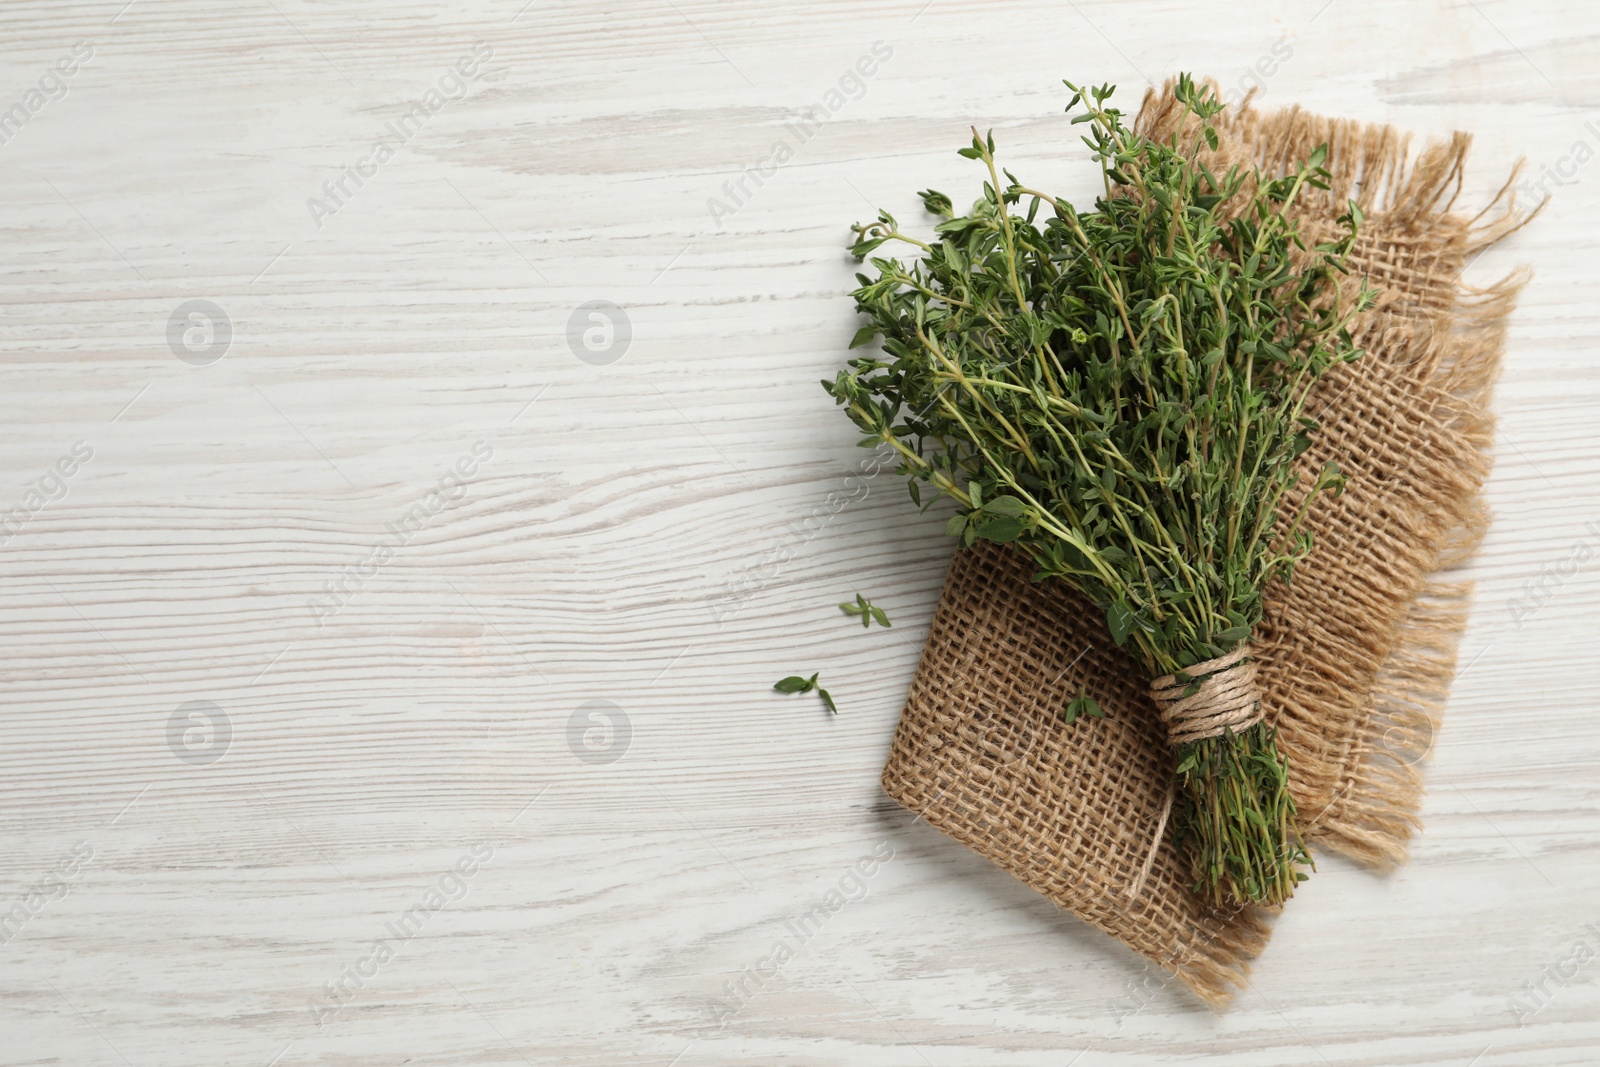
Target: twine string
1226	700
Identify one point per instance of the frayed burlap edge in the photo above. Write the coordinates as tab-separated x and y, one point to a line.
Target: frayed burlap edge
1378	806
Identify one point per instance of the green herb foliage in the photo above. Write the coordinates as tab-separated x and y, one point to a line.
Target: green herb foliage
866	610
1083	704
796	684
1121	391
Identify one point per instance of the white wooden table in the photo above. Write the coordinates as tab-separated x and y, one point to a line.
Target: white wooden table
302	760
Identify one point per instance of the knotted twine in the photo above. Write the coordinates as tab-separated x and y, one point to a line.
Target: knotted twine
1211	698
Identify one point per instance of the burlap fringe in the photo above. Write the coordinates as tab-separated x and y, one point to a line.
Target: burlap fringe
1377	808
1458	338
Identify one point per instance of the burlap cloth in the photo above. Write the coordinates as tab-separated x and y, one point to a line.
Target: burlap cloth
1356	656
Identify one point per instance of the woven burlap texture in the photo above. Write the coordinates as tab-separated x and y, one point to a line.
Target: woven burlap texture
1355	657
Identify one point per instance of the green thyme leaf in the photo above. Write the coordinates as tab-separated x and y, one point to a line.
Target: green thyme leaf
1080	706
866	611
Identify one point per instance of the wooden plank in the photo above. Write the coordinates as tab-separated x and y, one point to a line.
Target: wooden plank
408	656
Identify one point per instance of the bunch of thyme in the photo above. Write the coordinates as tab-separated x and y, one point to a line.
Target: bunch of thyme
1121	392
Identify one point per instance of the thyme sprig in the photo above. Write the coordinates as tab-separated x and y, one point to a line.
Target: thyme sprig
796	684
1121	391
866	611
1082	704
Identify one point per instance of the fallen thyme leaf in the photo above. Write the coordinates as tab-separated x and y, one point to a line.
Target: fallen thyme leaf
866	611
796	684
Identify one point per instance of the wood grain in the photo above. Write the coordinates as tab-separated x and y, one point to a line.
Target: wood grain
659	533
